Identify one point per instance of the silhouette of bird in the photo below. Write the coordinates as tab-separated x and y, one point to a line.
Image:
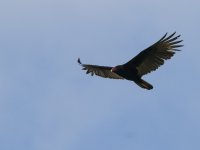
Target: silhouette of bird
145	62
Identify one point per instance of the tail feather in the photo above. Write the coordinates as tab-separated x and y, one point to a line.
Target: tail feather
144	84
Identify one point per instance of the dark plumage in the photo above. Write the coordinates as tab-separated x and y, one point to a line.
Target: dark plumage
145	62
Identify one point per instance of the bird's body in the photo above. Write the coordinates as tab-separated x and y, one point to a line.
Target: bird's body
132	75
146	61
124	72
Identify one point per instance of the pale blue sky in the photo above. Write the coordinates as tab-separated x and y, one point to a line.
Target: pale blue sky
48	103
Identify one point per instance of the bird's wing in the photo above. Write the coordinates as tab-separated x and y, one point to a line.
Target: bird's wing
153	57
102	71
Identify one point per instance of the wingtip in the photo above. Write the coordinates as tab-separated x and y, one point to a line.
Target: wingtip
175	33
79	61
172	34
163	36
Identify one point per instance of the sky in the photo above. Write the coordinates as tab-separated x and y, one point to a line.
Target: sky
48	102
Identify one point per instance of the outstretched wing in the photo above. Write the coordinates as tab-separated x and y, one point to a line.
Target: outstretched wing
102	71
153	57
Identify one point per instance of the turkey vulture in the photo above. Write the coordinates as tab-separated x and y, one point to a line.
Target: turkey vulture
145	62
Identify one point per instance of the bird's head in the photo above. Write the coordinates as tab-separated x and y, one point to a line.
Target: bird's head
116	69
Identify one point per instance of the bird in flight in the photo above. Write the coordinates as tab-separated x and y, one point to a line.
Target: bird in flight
145	62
